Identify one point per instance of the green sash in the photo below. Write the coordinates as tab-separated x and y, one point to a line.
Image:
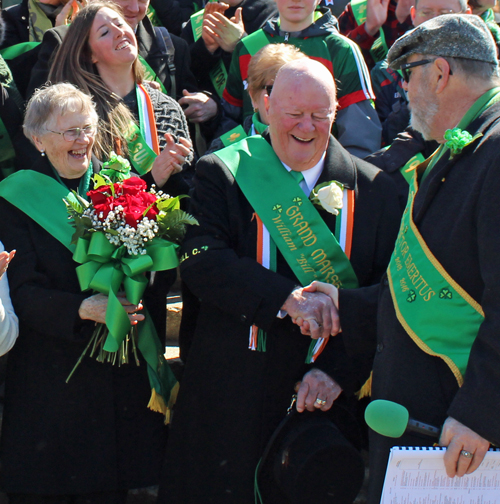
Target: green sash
150	75
306	242
23	189
16	50
438	315
255	42
409	168
238	133
218	74
379	48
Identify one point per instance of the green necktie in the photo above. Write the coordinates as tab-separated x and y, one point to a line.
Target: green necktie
299	179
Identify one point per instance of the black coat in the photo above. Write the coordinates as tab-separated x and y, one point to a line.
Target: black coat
94	433
231	399
456	211
148	47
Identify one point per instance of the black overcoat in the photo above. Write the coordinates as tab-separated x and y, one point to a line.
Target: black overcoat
92	434
231	398
456	211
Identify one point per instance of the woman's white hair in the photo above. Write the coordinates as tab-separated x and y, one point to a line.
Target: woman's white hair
56	99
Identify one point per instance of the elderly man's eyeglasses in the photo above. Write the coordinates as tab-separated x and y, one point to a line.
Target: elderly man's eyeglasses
70	135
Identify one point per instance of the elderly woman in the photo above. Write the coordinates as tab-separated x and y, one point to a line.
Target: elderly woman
88	440
99	55
9	325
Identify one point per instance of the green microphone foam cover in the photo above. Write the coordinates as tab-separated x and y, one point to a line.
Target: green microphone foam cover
387	418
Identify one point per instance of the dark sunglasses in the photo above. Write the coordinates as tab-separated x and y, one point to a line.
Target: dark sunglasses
268	89
406	66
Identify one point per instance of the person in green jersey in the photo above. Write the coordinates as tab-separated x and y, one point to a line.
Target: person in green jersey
437	351
314	31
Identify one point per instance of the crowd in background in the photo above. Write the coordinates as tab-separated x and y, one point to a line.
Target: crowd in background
193	77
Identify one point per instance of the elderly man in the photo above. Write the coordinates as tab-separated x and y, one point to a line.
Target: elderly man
438	351
259	238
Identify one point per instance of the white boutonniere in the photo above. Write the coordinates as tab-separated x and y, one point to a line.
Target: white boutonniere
329	196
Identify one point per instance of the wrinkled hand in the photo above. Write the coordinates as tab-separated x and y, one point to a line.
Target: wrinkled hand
94	308
209	38
200	107
376	15
226	32
457	437
69	11
5	258
171	159
317	385
316	309
328	289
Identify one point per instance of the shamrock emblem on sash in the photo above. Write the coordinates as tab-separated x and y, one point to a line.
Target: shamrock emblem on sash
412	296
445	293
278	208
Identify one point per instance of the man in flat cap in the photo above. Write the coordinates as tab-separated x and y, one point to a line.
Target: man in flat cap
438	337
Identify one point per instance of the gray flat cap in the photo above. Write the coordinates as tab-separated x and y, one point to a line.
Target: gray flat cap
451	35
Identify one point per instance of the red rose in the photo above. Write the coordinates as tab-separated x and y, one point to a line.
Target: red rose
134	185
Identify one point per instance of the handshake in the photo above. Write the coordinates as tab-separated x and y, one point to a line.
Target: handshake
314	309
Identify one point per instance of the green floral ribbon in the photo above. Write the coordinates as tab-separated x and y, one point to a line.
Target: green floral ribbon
104	268
457	139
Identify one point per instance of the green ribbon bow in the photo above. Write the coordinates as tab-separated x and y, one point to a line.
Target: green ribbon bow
105	267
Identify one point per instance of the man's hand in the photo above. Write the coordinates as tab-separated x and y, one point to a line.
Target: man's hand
200	107
316	309
226	32
209	37
457	438
317	391
376	15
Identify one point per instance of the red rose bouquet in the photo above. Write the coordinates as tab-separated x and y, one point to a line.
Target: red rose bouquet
122	232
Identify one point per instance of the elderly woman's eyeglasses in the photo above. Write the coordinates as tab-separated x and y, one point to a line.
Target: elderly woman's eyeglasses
70	135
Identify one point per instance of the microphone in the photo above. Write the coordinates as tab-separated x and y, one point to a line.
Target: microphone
391	419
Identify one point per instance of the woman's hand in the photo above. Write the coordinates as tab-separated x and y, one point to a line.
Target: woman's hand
171	159
317	391
69	11
94	308
5	258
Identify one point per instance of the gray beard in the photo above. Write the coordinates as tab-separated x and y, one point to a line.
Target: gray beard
421	119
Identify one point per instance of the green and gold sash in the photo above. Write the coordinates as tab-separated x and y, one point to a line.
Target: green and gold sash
218	74
143	139
438	315
295	226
